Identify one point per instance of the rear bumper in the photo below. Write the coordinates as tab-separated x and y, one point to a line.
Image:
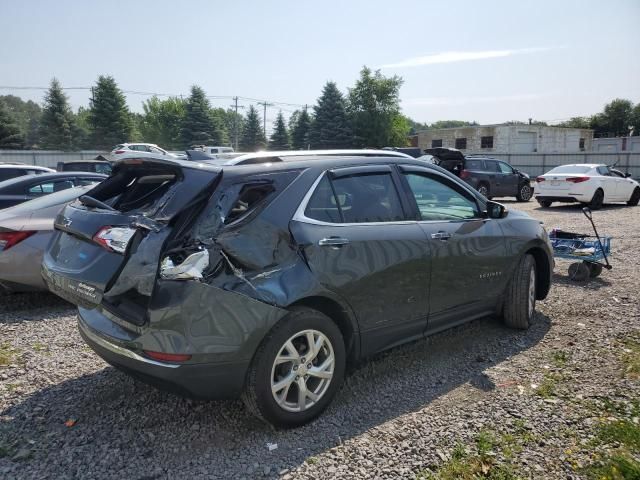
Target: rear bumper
559	198
196	380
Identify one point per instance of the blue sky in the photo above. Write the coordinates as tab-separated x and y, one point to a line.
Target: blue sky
488	61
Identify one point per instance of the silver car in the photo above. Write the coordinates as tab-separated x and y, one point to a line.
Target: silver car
25	230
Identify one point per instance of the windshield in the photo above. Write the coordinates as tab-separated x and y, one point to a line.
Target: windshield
57	198
570	169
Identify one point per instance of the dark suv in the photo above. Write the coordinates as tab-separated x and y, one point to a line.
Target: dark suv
267	280
490	177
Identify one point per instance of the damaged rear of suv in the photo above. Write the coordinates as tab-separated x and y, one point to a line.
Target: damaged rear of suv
265	280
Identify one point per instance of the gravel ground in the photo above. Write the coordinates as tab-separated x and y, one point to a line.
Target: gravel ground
529	403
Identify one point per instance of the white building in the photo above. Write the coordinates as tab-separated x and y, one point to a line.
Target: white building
616	144
507	139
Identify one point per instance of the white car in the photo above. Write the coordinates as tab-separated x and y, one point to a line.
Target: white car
12	170
590	184
137	150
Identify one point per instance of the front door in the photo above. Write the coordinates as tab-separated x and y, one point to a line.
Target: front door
509	180
359	243
469	262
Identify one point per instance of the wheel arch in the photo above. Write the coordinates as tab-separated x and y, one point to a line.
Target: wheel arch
543	271
341	316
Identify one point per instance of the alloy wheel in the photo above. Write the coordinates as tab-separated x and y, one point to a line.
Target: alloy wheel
525	192
532	292
482	190
302	370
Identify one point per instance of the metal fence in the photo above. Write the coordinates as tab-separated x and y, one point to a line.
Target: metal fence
532	163
47	158
538	163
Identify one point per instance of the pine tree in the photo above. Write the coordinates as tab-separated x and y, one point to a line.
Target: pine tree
109	118
10	137
200	126
252	134
300	131
330	127
280	137
58	129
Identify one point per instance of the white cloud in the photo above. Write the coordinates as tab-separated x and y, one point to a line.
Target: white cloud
449	101
451	57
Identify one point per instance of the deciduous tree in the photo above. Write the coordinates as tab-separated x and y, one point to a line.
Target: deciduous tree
10	136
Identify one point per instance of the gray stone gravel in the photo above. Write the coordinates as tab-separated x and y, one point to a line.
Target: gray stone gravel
399	414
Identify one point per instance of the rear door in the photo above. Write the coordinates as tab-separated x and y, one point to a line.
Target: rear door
360	245
469	263
125	217
494	174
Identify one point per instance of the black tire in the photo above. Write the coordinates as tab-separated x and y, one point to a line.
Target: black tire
517	312
545	203
483	189
635	198
257	394
597	200
595	269
579	271
525	192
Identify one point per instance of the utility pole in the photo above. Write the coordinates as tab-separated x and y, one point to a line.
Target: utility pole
265	104
235	121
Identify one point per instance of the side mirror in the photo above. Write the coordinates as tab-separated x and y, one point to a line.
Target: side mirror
496	210
627	175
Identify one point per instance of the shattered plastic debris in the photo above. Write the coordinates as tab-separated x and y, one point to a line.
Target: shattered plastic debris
272	446
70	423
190	269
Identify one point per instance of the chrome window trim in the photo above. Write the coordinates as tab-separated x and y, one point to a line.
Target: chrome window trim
299	215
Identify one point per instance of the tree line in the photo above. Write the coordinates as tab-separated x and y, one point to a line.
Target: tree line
368	115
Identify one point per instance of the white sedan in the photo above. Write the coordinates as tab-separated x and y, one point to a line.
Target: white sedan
590	184
137	150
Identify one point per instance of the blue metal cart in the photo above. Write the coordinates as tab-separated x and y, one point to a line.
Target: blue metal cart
589	249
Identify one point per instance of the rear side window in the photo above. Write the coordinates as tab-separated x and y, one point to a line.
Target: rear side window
474	165
50	187
356	199
249	199
492	166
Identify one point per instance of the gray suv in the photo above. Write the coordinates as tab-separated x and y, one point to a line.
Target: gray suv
489	176
267	280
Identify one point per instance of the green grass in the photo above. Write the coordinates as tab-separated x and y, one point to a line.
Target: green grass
631	358
548	386
7	354
39	347
623	431
560	358
619	466
481	463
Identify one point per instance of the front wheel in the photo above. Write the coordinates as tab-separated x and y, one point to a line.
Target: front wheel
524	193
520	298
297	370
635	198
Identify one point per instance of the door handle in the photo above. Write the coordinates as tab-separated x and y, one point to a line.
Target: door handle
441	236
333	242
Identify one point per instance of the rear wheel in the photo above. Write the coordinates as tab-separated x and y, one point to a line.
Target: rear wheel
297	370
483	189
597	200
520	297
595	269
524	193
635	198
545	203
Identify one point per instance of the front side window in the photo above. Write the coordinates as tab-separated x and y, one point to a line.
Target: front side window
157	150
361	198
486	142
604	170
436	143
492	166
505	168
438	201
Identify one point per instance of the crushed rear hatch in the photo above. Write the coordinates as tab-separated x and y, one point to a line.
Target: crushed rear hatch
107	244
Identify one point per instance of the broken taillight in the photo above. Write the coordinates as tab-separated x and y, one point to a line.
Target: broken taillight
9	239
114	239
540	179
